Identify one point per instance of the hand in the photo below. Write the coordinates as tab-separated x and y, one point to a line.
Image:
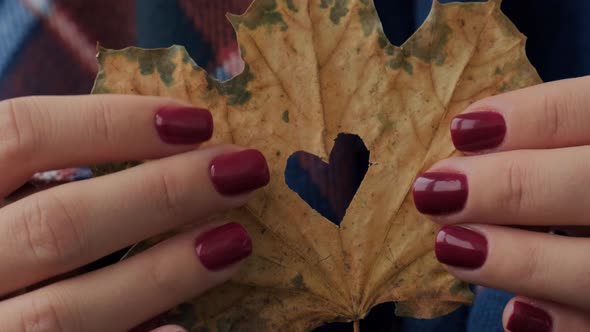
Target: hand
57	230
533	169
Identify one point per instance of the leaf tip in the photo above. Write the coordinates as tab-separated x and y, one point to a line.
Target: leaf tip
234	20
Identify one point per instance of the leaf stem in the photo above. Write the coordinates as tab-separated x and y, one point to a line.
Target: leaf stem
356	325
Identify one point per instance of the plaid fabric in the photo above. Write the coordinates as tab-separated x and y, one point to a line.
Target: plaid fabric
44	39
41	40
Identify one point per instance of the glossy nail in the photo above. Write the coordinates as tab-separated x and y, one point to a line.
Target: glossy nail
239	172
461	247
440	193
223	246
526	318
184	125
478	131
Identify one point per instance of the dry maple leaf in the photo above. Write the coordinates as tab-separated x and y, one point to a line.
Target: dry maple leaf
314	69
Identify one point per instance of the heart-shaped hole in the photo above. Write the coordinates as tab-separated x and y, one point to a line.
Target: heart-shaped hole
329	187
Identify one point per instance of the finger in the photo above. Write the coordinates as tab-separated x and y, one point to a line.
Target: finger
547	187
524	314
123	295
169	328
59	229
42	133
550	115
532	264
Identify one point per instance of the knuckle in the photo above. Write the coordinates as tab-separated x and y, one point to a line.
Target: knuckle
42	314
530	269
560	113
17	137
102	122
513	196
161	279
551	116
50	231
168	193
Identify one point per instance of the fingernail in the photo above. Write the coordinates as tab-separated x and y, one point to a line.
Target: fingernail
223	246
478	131
184	125
440	193
239	172
461	247
526	318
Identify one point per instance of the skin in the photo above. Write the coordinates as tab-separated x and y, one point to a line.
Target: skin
539	176
545	155
56	230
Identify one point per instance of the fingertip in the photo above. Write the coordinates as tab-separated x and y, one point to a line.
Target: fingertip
461	247
183	125
239	173
440	193
480	130
223	247
523	315
444	175
170	328
507	311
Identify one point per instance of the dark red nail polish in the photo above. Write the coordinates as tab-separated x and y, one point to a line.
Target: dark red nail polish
223	246
440	193
526	318
461	247
478	131
239	172
184	125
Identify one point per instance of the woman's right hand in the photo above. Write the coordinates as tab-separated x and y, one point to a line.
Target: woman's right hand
54	231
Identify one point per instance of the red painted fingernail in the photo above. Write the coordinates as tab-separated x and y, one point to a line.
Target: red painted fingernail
239	172
440	193
526	318
478	131
184	125
461	247
223	246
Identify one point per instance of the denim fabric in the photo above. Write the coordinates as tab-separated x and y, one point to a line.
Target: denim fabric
486	312
16	23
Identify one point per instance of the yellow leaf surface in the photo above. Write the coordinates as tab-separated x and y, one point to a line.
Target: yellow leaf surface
314	69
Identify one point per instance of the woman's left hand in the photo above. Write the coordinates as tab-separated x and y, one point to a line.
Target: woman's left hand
532	168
